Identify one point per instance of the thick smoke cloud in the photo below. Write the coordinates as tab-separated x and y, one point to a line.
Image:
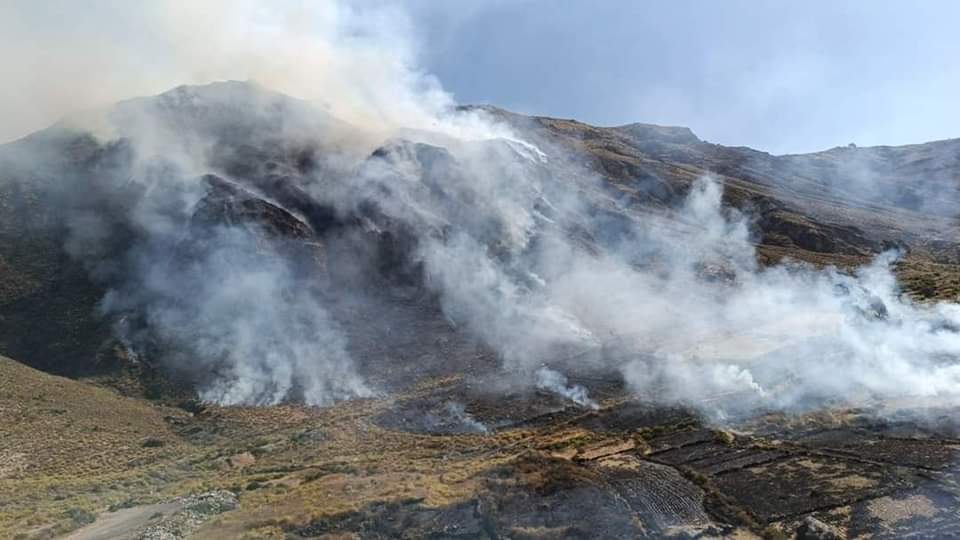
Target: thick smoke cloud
237	316
524	248
219	300
356	60
692	317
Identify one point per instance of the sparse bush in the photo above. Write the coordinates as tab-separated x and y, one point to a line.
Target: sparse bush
152	442
80	516
724	437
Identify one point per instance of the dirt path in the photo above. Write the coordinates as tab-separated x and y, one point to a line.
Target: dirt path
122	524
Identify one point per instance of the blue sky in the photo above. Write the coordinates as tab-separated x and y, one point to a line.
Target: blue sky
778	76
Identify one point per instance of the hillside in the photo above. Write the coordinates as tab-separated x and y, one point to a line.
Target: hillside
829	208
833	207
550	330
71	449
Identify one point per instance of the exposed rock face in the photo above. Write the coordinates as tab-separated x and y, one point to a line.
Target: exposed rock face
228	205
272	228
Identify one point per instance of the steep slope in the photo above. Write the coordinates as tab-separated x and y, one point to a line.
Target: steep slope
838	207
75	204
859	197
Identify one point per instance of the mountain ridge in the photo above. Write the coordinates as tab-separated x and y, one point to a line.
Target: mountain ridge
795	217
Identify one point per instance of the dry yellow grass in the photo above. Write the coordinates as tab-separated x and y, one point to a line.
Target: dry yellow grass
68	445
69	449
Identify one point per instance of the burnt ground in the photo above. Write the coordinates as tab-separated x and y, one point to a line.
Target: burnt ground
632	469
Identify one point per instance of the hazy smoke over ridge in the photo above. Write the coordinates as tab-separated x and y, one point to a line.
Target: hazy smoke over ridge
499	227
355	60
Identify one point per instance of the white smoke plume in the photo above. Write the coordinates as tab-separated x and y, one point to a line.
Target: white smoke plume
454	417
247	320
503	228
700	320
556	382
354	60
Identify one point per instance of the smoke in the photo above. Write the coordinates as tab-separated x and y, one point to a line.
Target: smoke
556	382
210	278
228	277
874	177
697	320
243	323
355	60
454	418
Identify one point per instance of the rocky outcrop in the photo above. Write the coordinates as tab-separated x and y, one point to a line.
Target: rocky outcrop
271	230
